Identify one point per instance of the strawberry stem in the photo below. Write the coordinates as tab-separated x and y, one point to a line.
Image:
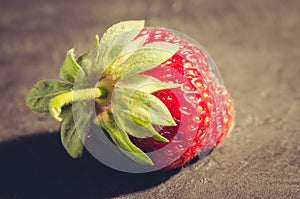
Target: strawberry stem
56	103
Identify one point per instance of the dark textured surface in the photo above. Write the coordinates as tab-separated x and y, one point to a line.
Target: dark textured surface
256	46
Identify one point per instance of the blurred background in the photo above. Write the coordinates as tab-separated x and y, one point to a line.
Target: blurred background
255	45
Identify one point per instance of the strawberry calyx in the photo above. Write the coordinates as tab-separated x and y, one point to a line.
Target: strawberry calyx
110	75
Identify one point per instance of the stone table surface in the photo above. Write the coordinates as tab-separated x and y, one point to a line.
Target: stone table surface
256	46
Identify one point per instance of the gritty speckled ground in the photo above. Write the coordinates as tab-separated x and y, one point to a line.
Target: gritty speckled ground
256	46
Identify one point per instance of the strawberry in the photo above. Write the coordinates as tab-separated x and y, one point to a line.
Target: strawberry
205	109
156	97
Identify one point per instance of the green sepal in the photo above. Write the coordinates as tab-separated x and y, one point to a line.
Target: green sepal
107	121
70	67
81	59
138	128
102	57
145	83
97	40
140	60
121	27
172	48
134	45
42	92
108	49
142	106
69	136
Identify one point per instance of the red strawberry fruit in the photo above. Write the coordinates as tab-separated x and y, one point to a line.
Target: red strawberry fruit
157	96
205	106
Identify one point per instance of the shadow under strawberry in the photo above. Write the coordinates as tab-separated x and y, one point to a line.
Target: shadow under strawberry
37	167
